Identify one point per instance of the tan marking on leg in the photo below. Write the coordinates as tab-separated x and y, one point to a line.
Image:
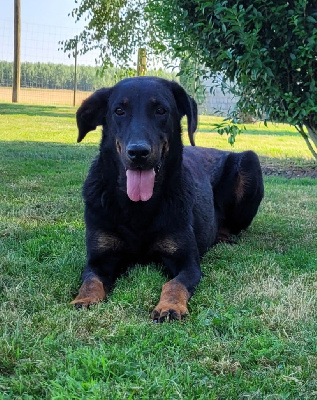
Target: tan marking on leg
118	146
240	185
91	292
173	302
107	242
166	246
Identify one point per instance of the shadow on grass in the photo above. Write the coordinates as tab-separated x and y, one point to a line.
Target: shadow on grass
36	110
14	150
291	167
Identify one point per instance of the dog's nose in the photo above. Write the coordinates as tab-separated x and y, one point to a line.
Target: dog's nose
138	152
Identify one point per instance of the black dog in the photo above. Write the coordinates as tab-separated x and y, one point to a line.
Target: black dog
148	198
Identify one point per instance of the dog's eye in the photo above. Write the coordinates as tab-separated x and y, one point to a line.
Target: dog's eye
119	111
160	111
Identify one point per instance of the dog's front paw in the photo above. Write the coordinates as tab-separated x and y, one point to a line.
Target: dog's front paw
165	311
85	302
91	292
172	304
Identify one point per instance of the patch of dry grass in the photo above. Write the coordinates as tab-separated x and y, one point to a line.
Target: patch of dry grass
61	97
281	304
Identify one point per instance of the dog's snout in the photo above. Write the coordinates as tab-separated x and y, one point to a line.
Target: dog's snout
138	152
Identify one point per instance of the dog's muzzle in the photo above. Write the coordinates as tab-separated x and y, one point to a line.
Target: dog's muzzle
141	170
138	152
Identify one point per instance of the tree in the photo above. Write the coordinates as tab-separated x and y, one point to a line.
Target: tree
266	48
116	27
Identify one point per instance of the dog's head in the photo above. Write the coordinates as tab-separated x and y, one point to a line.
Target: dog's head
142	117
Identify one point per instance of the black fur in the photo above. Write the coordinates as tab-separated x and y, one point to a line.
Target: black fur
200	195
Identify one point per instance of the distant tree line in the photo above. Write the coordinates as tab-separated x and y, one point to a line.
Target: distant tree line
60	76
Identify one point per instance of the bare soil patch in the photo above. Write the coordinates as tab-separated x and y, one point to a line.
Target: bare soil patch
289	168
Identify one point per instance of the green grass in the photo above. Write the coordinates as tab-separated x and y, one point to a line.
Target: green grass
251	333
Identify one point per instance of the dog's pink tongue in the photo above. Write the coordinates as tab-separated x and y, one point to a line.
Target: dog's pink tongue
140	184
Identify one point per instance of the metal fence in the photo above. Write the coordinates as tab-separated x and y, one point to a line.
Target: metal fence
48	74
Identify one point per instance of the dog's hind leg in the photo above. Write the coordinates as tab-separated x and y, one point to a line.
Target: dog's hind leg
248	191
239	193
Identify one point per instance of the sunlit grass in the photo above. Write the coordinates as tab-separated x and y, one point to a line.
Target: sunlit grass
276	140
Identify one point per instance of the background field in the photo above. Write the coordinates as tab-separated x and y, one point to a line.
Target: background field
44	96
251	333
53	83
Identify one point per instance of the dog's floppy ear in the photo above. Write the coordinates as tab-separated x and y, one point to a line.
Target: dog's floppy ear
186	106
92	111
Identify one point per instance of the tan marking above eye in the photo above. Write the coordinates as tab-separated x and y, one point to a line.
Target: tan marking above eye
118	147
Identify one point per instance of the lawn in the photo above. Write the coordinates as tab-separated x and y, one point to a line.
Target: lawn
251	333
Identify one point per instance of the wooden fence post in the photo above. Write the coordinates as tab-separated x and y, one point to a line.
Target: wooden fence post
75	75
17	53
141	67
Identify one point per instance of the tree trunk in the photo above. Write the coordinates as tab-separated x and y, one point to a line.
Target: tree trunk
312	132
310	137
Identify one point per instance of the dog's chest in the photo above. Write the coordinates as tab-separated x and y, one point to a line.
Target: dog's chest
141	231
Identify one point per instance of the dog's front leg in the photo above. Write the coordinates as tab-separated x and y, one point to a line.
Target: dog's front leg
175	294
98	278
104	263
